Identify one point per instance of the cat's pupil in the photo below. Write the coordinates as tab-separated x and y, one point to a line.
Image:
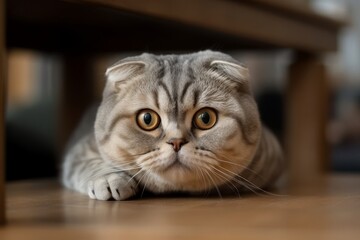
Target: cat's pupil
205	117
147	118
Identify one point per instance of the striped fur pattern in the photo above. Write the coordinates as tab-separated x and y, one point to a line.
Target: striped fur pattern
116	159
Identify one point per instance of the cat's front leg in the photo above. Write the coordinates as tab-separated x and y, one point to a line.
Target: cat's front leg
85	171
118	186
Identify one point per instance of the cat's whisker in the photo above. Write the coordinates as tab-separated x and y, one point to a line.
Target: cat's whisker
147	163
227	182
137	173
201	166
207	182
237	181
146	174
146	160
197	173
122	165
212	180
146	181
234	175
236	164
252	184
220	158
127	167
210	160
144	153
106	171
203	179
140	179
232	163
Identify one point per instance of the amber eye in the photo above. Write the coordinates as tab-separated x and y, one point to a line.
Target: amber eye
205	118
148	119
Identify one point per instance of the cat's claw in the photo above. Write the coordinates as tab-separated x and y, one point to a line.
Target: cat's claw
118	186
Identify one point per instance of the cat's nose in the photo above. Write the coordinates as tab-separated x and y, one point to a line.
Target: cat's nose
177	143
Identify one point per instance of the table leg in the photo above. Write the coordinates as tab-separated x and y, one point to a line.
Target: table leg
306	116
2	111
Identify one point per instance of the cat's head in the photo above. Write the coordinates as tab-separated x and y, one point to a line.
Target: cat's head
180	122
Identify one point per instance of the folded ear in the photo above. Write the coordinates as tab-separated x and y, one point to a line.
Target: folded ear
124	70
238	76
231	72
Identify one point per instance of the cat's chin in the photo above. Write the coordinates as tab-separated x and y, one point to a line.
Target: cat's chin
174	180
179	171
176	166
179	177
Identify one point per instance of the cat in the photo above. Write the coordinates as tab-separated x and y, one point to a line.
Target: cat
173	123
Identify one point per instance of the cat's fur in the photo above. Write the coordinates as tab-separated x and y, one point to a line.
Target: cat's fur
116	159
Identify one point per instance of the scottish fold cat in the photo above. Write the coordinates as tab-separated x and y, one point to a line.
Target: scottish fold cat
166	123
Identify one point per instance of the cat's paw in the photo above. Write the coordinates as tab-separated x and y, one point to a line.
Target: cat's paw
118	186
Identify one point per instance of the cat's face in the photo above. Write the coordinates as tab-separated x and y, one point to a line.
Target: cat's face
180	122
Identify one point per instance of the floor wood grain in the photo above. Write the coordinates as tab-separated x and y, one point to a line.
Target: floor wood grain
330	209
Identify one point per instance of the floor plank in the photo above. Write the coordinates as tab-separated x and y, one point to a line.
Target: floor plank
329	210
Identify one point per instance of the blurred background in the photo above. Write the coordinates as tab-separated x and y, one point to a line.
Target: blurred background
35	81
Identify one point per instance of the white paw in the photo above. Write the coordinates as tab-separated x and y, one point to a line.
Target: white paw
118	186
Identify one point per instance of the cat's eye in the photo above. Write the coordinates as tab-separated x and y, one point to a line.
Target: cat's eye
205	118
148	120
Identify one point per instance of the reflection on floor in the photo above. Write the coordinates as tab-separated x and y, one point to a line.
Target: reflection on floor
330	209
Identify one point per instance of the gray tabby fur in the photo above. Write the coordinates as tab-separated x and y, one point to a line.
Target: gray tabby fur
116	159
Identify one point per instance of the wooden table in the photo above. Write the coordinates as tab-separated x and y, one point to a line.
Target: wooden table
80	29
44	210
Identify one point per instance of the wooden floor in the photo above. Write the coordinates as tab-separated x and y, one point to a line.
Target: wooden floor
44	210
